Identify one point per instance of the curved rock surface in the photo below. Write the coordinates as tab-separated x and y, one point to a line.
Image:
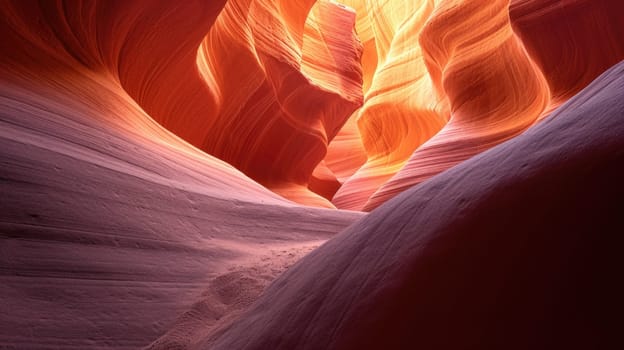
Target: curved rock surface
515	248
119	231
257	94
493	88
346	153
401	110
571	41
113	229
283	96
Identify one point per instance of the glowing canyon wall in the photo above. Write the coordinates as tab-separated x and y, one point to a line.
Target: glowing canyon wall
163	161
492	70
319	101
401	109
285	87
484	74
112	228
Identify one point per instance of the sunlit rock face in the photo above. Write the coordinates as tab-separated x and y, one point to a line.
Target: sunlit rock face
112	228
498	69
493	88
287	77
515	248
162	162
401	109
350	103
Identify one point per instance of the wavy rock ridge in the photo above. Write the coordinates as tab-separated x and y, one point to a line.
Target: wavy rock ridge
274	88
494	90
555	48
160	162
441	267
112	228
400	110
283	96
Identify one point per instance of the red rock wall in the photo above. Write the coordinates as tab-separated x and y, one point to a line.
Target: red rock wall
282	95
481	68
249	90
571	41
320	101
401	110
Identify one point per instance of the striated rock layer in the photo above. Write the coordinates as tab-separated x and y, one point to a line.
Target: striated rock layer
515	248
286	83
118	230
346	153
272	86
256	94
571	41
401	110
112	229
493	88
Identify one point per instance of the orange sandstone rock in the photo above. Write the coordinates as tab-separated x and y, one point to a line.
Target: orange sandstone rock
282	96
493	88
401	110
571	41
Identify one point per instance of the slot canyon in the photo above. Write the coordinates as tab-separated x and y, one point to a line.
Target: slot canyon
301	174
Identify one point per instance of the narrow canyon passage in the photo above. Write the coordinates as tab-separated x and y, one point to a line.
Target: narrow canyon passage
279	174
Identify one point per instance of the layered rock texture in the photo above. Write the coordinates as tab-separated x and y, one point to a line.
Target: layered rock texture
484	74
401	109
473	74
286	77
515	248
112	227
163	164
571	41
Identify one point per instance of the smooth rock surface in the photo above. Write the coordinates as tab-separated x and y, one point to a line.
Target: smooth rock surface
515	248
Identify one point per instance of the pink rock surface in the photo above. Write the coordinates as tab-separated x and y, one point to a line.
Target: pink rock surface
516	248
160	162
113	229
